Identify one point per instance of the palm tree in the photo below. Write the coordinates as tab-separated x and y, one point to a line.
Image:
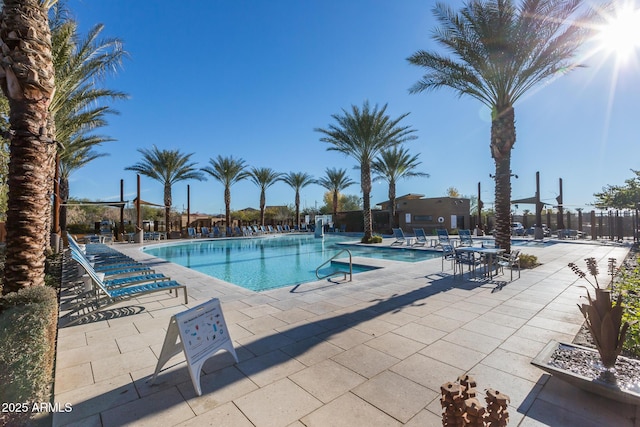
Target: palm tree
76	105
363	134
228	171
167	167
335	180
392	165
297	181
27	80
264	178
501	51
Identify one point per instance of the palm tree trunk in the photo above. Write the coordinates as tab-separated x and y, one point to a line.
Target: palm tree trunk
503	136
365	179
297	208
27	80
227	205
64	198
335	204
263	202
392	201
167	206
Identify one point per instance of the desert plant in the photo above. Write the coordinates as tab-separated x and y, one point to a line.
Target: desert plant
604	319
528	261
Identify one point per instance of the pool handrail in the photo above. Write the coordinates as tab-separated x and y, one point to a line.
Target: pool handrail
335	273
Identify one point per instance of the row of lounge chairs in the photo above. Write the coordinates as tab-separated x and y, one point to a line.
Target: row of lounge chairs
112	278
421	238
249	230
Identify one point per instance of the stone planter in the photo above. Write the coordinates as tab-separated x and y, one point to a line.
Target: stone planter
625	390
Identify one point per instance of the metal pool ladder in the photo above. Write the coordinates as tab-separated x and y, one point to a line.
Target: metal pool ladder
336	272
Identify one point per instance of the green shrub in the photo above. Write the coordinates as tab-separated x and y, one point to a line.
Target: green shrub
374	239
28	323
629	286
528	261
81	228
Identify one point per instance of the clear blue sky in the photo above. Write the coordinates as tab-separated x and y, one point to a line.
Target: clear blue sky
253	79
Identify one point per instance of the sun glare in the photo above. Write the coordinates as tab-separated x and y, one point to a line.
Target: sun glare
620	35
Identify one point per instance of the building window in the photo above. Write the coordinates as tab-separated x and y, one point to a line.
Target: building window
423	218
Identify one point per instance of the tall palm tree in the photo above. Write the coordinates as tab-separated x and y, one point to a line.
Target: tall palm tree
392	165
501	51
363	134
264	178
167	167
78	105
297	181
228	171
27	80
335	180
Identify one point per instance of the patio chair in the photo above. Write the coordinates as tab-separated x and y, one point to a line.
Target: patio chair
116	282
103	297
421	237
191	232
465	238
204	232
443	237
449	254
399	235
106	260
215	232
511	260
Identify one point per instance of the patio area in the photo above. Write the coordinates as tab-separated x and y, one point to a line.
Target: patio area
371	352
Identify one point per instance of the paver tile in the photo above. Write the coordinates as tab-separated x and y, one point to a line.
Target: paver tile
473	340
420	333
270	367
347	411
426	371
365	360
312	350
123	363
395	345
501	332
217	388
163	408
73	377
327	380
277	404
227	415
94	398
396	395
453	354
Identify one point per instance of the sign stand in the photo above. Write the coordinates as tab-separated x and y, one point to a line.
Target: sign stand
203	333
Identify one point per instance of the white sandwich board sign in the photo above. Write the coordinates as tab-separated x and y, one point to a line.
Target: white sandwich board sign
202	332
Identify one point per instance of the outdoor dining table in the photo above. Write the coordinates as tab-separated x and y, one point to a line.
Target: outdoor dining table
487	255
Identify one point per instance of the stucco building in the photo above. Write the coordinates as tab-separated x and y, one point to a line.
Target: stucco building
416	211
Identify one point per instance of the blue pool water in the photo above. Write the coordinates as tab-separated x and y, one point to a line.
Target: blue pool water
274	261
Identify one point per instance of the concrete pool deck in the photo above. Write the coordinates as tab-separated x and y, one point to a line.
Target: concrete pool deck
371	352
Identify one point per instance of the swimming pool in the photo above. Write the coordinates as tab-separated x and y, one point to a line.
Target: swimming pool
274	261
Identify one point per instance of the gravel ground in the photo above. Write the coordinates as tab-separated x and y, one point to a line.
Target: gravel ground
587	364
